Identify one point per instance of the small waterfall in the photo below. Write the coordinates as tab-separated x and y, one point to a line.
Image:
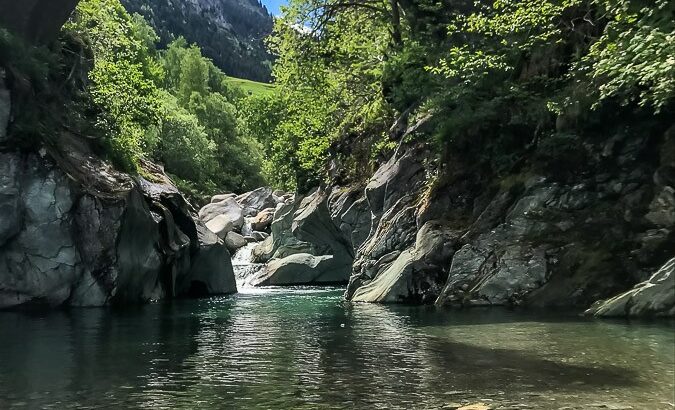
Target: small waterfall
243	265
247	229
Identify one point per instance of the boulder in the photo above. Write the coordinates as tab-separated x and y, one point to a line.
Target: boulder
256	200
222	197
312	223
234	241
263	220
654	297
349	211
281	242
222	217
301	269
227	206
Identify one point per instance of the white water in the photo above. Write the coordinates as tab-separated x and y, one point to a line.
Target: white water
243	265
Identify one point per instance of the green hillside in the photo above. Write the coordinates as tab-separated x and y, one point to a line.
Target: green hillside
251	87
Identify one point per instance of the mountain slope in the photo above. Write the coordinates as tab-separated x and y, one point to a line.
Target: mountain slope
230	32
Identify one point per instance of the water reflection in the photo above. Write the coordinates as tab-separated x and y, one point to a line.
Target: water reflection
306	348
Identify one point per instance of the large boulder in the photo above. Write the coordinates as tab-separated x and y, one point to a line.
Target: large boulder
301	269
654	297
256	200
312	223
223	217
350	212
281	242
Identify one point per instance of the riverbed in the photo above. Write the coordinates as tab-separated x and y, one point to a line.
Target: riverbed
289	348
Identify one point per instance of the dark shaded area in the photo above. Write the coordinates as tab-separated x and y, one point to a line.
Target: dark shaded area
37	21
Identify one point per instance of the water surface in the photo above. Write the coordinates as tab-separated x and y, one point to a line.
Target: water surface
306	348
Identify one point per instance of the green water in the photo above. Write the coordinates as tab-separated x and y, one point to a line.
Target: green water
306	348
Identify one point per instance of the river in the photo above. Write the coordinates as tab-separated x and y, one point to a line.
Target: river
306	348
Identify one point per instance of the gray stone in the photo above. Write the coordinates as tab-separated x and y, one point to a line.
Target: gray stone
222	217
256	200
234	241
654	297
301	269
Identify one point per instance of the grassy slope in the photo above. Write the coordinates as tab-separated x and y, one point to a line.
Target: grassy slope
251	87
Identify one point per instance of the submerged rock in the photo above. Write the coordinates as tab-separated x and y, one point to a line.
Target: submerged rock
654	297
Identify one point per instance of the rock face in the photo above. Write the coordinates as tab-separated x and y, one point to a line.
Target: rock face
37	21
301	269
94	236
527	240
654	297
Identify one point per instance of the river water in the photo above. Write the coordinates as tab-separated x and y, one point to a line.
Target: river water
306	348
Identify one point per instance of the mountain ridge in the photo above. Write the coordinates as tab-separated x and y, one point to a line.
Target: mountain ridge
230	32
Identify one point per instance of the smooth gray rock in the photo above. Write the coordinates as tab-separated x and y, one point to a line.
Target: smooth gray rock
281	242
413	274
222	217
301	269
211	271
655	297
234	241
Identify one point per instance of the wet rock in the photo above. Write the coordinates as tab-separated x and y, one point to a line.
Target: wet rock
301	269
654	297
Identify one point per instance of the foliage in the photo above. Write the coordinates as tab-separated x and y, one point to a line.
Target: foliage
496	77
230	32
634	59
174	105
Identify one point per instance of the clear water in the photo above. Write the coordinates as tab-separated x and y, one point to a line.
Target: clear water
306	348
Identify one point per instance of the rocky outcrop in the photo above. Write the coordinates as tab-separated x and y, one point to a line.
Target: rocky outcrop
301	269
37	21
654	297
282	242
391	201
74	231
527	239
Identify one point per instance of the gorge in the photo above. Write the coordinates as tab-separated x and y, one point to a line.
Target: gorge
168	241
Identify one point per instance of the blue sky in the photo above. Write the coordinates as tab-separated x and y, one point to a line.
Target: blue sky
273	6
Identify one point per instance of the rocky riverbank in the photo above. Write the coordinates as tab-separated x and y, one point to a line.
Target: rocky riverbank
524	240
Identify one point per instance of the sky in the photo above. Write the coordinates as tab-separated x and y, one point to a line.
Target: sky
273	6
